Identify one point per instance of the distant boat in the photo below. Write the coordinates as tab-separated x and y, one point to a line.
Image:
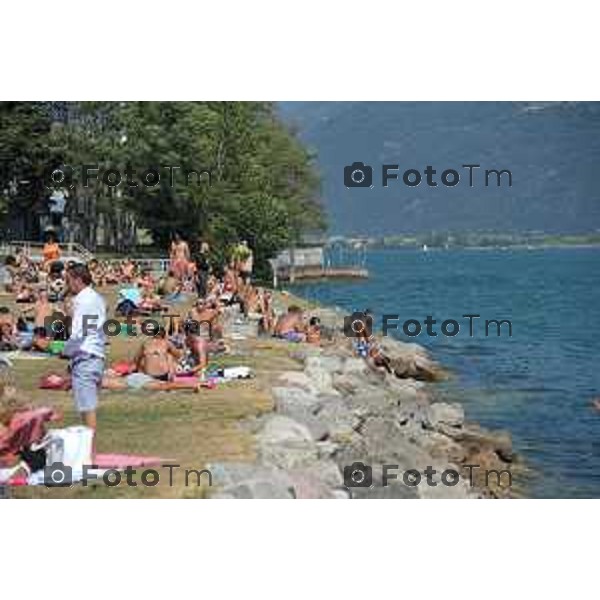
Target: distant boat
424	247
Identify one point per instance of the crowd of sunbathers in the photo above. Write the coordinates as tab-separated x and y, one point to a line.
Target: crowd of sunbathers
177	357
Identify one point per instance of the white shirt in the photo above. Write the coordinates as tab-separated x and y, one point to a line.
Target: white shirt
89	315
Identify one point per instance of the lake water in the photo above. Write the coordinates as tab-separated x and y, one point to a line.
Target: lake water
539	383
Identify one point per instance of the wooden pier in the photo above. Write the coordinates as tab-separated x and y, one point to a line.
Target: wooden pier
302	273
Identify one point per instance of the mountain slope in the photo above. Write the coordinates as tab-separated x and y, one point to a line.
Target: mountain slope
552	150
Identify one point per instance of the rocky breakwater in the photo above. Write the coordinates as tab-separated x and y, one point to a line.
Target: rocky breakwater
342	430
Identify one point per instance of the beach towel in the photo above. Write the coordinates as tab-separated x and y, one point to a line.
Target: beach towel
56	347
25	428
123	367
231	373
132	294
122	461
54	381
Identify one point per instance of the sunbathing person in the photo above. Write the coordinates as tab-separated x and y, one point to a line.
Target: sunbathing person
170	286
8	330
151	302
313	331
291	325
42	309
156	369
111	277
127	271
11	274
146	281
207	314
157	357
196	349
25	294
97	273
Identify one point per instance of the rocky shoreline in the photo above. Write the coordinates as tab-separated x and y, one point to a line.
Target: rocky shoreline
341	430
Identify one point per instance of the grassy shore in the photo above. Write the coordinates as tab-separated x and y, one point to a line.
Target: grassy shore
192	429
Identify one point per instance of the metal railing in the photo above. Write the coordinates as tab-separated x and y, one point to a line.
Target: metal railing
34	249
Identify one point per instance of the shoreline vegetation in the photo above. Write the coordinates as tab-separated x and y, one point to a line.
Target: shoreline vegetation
486	241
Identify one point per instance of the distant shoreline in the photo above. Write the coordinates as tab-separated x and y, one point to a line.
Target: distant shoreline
510	247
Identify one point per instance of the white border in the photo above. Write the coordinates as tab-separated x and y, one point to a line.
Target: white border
310	50
308	549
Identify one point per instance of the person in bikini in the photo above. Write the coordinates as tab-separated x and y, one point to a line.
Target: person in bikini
207	314
42	309
267	322
170	286
50	252
180	257
230	285
8	329
127	271
194	358
291	326
156	363
313	331
25	294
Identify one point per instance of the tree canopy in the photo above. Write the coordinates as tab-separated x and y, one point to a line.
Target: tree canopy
248	176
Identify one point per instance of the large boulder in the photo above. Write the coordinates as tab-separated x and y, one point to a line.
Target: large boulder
298	379
337	418
445	414
277	429
319	371
289	399
386	442
250	481
329	363
322	480
286	443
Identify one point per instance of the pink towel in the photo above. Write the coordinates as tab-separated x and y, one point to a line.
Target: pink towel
25	428
121	461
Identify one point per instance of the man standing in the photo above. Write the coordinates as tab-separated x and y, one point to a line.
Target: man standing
202	270
85	347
